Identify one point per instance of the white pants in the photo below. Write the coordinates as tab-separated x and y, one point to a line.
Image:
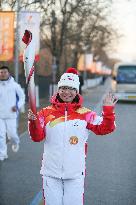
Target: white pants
7	127
63	191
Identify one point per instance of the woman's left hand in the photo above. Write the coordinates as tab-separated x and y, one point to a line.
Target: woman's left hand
110	99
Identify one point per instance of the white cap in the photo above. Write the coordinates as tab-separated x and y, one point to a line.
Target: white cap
70	79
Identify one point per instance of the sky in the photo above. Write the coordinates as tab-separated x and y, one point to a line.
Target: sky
124	15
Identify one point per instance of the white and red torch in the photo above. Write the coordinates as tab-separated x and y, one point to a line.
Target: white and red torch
29	57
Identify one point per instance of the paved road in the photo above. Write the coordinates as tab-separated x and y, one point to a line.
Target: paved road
111	163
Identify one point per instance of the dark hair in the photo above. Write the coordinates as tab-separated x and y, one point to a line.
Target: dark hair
75	100
4	67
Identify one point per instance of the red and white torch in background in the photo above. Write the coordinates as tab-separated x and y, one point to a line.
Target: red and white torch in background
29	57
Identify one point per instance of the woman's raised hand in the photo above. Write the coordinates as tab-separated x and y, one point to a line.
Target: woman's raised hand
110	99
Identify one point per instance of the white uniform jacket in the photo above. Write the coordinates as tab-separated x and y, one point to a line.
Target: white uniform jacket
10	93
65	128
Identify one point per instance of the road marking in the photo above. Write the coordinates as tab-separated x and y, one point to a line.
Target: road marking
38	199
24	133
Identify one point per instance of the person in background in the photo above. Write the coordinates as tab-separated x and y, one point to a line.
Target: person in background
65	126
81	80
12	98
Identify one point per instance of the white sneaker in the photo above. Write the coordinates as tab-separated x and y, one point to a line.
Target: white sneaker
3	158
15	147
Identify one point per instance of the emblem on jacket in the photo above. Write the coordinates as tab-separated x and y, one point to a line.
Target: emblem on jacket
73	140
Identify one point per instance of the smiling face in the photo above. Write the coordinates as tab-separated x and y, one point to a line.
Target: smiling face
67	94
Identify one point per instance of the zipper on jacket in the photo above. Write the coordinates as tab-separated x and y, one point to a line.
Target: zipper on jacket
66	115
66	112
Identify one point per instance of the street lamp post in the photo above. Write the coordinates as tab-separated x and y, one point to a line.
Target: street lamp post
54	65
17	43
54	69
85	70
85	48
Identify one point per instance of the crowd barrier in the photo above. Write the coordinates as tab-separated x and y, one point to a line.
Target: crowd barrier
89	83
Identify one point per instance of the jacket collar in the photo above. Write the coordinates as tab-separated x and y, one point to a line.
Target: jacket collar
70	107
9	80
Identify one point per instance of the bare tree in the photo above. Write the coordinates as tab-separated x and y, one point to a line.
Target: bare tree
76	24
69	26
